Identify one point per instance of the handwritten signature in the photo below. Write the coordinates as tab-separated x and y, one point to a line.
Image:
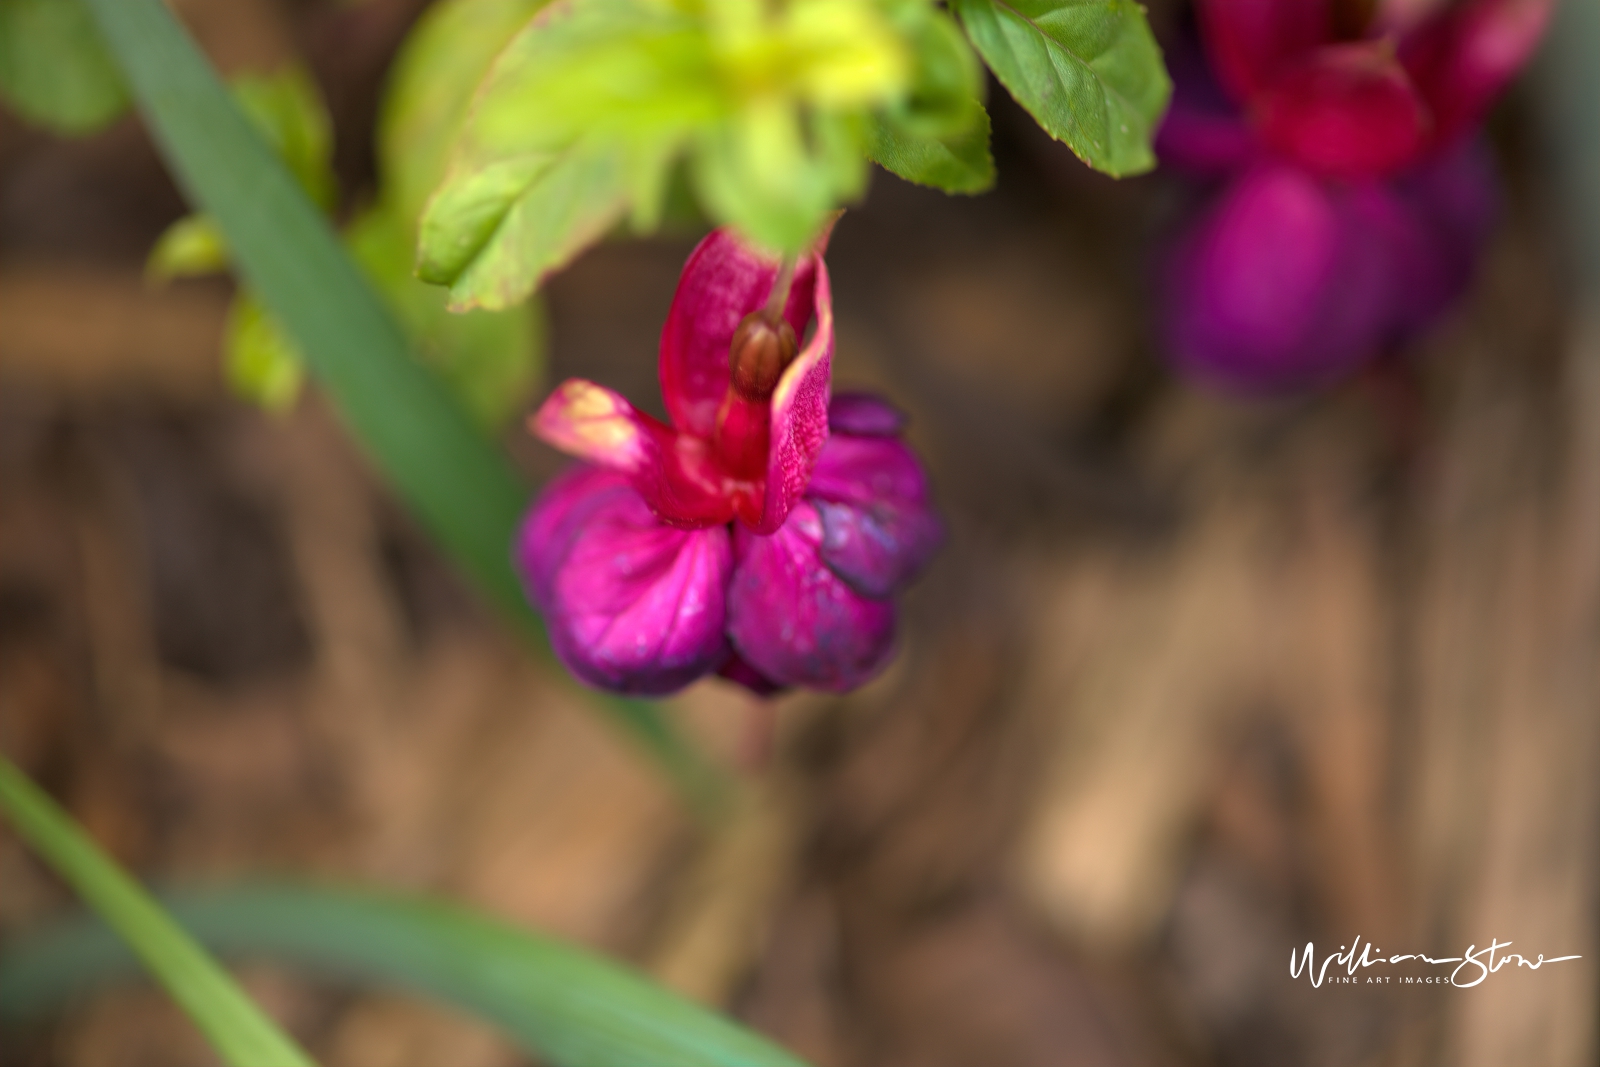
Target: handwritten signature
1483	959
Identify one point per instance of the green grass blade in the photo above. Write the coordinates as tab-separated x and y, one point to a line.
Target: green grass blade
237	1029
459	484
563	1004
455	480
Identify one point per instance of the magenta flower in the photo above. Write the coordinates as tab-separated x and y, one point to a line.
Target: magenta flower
1356	195
762	534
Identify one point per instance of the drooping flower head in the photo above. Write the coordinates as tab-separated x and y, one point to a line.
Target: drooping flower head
762	533
1355	194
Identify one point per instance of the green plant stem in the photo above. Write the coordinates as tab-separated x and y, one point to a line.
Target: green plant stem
237	1029
455	480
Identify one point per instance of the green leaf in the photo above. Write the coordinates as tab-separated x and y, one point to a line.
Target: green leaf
493	234
939	135
263	364
288	110
491	359
53	69
431	82
957	163
236	1028
1089	71
587	111
459	484
558	1002
455	481
192	245
582	111
776	177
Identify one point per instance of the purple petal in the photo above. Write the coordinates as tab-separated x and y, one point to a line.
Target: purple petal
864	415
1453	200
794	620
632	605
879	527
1278	285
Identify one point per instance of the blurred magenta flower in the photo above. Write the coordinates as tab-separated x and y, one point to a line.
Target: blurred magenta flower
762	534
1356	193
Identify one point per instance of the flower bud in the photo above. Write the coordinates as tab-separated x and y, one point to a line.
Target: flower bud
759	353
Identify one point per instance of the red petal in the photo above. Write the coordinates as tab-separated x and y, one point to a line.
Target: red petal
799	416
1346	110
724	280
1461	60
675	473
1248	41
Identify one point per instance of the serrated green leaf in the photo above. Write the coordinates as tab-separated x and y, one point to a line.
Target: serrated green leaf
1089	71
240	1032
431	82
560	1003
192	245
491	359
263	365
53	68
956	162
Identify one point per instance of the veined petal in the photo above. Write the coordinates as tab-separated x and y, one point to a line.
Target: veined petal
1248	41
675	473
879	527
632	605
794	620
799	417
723	281
1348	110
1277	285
1461	59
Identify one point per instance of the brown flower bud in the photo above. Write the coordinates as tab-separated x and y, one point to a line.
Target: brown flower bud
759	353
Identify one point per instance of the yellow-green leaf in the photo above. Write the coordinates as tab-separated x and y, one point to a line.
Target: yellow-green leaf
263	364
192	245
53	69
431	82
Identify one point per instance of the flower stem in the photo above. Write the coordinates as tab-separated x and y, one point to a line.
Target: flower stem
778	298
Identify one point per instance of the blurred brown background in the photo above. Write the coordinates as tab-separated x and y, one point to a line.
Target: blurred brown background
1194	681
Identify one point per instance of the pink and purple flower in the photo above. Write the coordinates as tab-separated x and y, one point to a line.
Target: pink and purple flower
762	534
1355	194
